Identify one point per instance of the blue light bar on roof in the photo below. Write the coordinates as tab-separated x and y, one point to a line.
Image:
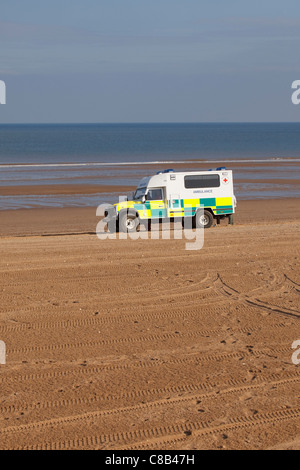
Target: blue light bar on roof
165	171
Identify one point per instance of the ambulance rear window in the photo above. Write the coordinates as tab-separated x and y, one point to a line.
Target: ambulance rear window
202	181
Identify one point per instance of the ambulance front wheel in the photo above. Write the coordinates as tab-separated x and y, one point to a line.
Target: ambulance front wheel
113	226
128	223
204	219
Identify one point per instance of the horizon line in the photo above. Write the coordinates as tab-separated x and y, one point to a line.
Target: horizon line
142	123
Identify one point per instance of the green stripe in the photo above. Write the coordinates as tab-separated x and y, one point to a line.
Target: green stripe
208	202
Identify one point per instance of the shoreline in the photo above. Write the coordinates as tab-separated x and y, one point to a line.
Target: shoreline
178	163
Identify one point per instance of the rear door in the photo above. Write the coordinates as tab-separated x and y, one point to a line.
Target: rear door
175	206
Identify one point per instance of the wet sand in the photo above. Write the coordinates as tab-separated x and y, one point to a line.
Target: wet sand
62	189
67	184
82	189
122	344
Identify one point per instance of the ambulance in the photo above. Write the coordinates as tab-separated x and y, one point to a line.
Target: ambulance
205	196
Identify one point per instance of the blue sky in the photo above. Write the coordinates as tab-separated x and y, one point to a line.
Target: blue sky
149	60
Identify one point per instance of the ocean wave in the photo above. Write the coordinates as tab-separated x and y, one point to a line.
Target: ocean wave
158	162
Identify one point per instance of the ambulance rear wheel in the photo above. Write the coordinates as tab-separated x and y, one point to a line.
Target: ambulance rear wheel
204	219
128	223
231	219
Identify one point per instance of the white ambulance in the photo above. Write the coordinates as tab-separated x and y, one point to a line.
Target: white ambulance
174	195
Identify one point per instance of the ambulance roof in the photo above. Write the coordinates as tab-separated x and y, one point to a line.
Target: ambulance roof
162	177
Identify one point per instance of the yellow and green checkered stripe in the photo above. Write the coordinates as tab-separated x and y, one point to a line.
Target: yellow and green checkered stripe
180	207
183	207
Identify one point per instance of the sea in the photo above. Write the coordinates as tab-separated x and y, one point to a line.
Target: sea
265	157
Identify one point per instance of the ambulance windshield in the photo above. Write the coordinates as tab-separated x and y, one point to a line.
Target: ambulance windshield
140	192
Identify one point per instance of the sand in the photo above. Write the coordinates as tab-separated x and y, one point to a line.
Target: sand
63	221
123	344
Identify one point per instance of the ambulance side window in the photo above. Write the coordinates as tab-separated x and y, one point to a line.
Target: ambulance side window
202	181
155	194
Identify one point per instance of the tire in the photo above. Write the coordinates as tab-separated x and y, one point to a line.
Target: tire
112	226
190	223
231	219
203	220
147	224
128	223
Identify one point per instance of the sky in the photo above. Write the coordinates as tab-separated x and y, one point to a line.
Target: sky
149	60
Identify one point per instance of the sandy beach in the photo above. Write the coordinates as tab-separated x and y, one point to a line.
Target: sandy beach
122	344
